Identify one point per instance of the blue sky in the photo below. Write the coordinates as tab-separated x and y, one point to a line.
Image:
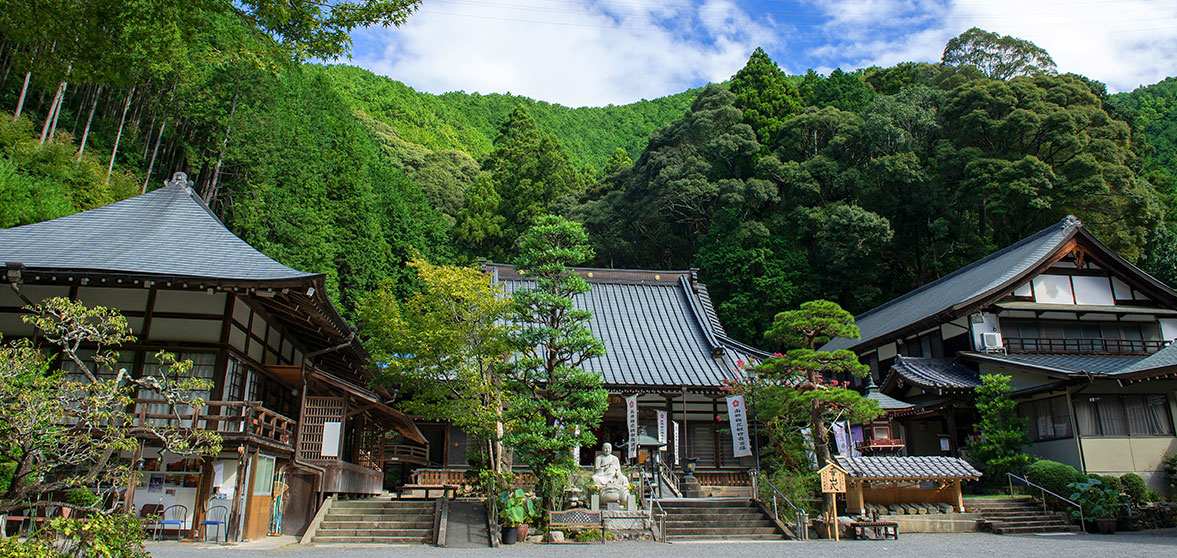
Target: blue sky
598	52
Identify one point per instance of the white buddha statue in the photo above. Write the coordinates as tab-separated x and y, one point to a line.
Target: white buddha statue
607	470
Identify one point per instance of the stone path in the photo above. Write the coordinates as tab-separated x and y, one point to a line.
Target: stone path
1121	545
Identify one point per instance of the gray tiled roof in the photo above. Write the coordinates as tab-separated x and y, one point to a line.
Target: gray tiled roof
886	402
935	373
915	468
964	284
1164	358
1068	364
167	232
656	332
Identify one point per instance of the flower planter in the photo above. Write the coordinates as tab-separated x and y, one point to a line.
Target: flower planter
1106	526
522	532
510	535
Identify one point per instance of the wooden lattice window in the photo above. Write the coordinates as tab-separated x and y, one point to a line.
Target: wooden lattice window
316	411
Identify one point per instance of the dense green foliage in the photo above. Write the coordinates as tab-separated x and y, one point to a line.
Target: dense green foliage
1053	476
997	450
1135	488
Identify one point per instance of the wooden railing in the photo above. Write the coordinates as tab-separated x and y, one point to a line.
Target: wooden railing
723	478
226	417
406	453
1083	345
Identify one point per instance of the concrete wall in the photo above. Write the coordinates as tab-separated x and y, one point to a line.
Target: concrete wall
1141	455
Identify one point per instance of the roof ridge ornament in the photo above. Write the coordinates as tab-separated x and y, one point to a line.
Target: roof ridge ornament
180	178
1072	222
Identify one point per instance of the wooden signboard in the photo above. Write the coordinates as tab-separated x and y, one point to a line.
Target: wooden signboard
833	481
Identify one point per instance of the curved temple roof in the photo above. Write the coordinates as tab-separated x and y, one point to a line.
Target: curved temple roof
658	328
168	232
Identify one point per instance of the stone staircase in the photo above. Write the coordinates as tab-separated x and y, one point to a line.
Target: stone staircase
1018	516
381	520
691	519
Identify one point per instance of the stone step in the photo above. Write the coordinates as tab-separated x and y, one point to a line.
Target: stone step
1020	515
419	533
673	530
1033	530
383	506
1027	522
719	524
370	540
425	523
698	516
705	503
331	515
690	538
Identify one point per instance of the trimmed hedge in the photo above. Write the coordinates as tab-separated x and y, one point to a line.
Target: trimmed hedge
1109	481
1054	476
1135	488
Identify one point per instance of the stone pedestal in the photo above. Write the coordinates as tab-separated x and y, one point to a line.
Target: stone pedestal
690	487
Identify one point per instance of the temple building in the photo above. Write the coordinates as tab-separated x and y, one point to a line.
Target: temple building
1084	334
289	394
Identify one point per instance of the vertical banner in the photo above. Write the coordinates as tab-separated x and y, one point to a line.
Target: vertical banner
842	437
631	419
737	417
675	443
808	436
662	427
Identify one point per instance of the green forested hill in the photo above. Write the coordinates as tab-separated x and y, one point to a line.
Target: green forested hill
1153	112
469	122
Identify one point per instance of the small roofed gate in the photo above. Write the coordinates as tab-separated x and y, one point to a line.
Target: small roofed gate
321	441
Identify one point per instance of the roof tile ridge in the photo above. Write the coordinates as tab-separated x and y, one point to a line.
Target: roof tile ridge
1061	226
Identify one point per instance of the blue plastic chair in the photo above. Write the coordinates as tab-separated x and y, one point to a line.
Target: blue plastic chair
216	516
175	515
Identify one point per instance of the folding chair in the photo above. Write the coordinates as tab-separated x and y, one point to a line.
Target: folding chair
175	515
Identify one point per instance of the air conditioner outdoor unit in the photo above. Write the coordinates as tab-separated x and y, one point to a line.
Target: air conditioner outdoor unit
991	342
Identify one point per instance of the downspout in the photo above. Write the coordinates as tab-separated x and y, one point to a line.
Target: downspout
1075	419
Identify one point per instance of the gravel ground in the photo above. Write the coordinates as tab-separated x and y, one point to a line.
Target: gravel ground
1122	545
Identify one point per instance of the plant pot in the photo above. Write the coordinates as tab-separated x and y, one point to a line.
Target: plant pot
510	535
65	512
522	532
1106	525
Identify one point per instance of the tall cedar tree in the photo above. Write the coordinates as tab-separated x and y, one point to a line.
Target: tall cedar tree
765	95
553	404
805	370
997	449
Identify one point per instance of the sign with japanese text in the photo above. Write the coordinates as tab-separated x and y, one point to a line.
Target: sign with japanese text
833	479
631	419
738	419
662	427
675	442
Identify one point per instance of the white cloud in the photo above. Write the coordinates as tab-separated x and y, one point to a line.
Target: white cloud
576	53
1123	43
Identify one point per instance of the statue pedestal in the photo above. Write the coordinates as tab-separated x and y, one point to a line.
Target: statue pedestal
690	487
596	502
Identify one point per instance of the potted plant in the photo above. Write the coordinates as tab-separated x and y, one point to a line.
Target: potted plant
516	511
1099	502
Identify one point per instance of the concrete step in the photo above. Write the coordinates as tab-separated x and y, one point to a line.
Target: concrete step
421	533
701	516
672	530
370	540
424	523
1033	530
692	538
383	506
718	524
1027	523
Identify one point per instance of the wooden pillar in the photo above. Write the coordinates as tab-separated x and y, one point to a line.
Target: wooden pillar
200	506
854	496
233	531
958	494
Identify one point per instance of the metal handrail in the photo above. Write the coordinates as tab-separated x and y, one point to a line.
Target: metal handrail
668	475
800	515
658	517
1082	518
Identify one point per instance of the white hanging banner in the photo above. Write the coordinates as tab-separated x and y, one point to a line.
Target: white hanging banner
676	442
631	419
842	437
662	427
805	433
738	419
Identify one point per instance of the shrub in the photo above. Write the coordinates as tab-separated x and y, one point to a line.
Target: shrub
7	469
1098	500
82	497
1152	495
592	535
1054	476
1135	488
1109	481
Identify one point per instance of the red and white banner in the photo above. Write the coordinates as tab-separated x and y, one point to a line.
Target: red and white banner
737	417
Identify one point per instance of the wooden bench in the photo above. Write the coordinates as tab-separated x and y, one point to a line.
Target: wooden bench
428	480
883	529
577	518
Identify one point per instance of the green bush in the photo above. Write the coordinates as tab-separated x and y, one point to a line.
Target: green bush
1135	488
1152	496
1109	481
7	469
592	535
802	488
1054	476
82	497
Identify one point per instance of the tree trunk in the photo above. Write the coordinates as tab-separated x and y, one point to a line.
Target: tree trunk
151	165
86	132
211	191
20	102
49	116
119	135
57	110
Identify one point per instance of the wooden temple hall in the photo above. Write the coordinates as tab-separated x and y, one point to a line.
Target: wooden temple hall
289	376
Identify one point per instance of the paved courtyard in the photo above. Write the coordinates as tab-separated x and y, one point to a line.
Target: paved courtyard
1121	545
